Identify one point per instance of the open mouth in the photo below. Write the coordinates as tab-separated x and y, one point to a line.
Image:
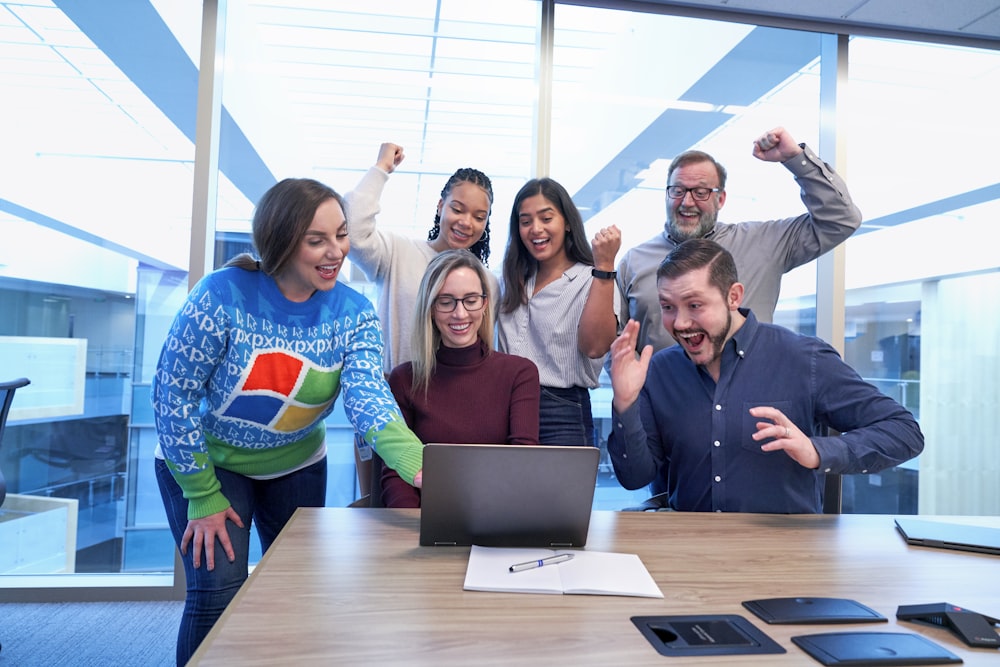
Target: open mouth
328	271
693	341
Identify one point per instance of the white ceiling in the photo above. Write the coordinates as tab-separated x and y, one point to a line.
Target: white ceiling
970	22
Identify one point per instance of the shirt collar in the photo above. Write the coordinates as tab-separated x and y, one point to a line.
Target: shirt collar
744	337
666	233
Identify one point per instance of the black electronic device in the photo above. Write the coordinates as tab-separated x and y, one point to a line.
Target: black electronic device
975	629
813	610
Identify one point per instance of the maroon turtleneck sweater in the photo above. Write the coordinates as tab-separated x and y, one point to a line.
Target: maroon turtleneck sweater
473	397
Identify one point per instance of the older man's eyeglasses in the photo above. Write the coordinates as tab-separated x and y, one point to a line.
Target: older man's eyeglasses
701	194
471	303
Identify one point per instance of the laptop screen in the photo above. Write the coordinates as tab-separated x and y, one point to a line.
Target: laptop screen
507	495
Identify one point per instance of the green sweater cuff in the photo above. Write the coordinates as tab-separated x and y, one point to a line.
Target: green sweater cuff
399	448
199	508
202	491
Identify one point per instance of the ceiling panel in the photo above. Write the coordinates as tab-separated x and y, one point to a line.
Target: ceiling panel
972	22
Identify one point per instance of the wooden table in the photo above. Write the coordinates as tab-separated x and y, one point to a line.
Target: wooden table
352	587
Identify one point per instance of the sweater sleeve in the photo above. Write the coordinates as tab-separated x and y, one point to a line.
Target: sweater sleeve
401	384
369	403
193	348
370	249
524	398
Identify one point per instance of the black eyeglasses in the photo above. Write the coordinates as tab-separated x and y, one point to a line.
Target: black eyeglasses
472	302
701	194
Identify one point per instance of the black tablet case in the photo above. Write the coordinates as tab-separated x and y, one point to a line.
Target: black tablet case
874	648
813	610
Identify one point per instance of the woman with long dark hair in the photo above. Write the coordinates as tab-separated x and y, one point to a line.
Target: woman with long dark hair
559	306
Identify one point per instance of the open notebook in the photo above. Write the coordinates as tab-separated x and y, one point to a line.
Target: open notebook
587	573
507	495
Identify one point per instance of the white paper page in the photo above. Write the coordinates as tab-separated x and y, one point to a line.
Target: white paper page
604	573
590	572
489	570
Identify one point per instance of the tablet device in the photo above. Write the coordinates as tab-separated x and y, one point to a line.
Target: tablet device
507	495
813	610
943	535
874	648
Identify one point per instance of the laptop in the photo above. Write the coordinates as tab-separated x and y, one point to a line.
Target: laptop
943	535
507	495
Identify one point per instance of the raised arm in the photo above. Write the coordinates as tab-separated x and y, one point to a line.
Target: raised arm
599	320
634	453
832	216
370	249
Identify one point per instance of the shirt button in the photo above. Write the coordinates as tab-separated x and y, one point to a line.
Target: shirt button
864	472
718	479
828	470
718	407
717	443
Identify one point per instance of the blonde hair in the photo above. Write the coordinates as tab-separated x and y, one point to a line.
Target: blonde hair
426	337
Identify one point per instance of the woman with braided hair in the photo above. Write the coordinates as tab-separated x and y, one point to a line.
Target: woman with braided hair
397	263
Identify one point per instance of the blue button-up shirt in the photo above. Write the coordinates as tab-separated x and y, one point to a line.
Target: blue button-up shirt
700	431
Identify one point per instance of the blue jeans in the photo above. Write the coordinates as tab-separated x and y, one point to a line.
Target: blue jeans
268	503
565	417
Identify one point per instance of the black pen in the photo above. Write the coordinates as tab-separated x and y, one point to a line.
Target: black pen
532	564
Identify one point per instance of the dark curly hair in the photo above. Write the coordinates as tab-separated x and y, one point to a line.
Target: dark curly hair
480	248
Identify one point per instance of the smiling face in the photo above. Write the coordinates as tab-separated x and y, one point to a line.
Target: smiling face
460	327
687	217
698	315
542	229
320	255
464	214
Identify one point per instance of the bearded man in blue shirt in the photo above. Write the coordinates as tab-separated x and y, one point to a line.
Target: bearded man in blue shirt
737	413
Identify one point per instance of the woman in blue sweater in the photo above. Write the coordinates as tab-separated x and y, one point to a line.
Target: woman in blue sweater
249	371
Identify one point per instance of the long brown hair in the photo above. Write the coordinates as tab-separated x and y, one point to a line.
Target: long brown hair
280	222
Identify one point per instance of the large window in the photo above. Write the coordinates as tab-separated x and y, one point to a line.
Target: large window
632	90
97	128
922	153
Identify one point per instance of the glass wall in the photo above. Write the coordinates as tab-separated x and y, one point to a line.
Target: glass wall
98	131
923	142
632	90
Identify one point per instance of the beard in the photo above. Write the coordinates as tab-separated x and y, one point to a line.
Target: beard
717	341
706	222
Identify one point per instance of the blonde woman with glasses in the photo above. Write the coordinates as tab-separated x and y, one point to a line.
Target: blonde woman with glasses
458	389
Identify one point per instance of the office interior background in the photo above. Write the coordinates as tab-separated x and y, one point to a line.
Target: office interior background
131	162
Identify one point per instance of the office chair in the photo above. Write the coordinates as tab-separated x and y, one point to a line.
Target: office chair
369	478
375	499
7	390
